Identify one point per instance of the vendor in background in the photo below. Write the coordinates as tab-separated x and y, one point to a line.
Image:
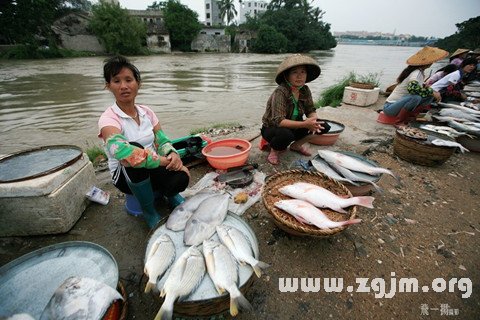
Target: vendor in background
442	72
450	86
141	158
283	122
458	56
410	92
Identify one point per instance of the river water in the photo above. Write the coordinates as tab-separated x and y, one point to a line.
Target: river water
46	102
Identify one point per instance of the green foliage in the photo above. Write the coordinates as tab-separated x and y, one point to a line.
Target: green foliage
269	41
298	22
332	96
40	52
227	125
467	36
95	154
227	9
370	78
182	24
119	32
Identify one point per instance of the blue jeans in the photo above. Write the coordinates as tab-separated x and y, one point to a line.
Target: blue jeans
409	102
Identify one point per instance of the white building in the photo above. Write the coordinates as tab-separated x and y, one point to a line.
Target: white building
212	13
251	8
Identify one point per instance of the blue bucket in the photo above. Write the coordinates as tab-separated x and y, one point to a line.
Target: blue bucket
132	205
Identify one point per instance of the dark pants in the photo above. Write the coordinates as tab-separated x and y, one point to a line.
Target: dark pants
166	182
280	138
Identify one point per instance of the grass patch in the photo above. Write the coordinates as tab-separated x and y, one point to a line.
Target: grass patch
226	125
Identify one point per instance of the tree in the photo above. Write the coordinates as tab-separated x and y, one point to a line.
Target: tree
227	9
467	36
182	24
119	32
269	41
157	5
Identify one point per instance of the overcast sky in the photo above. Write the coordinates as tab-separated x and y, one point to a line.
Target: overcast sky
426	18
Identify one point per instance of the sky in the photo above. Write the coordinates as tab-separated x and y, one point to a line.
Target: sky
427	18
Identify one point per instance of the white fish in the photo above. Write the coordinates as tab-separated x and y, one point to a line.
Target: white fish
80	298
240	247
445	143
456	113
350	175
352	163
223	271
309	214
209	214
464	127
184	277
160	257
322	198
321	166
180	215
460	107
21	316
443	129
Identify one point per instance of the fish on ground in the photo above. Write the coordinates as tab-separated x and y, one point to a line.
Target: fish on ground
223	270
351	175
184	277
323	167
307	213
240	247
80	298
465	127
323	198
209	214
159	258
180	215
456	113
352	163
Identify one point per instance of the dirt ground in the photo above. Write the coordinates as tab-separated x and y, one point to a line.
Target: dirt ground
427	227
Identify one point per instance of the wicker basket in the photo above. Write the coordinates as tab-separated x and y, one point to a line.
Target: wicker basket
360	85
286	221
420	152
118	310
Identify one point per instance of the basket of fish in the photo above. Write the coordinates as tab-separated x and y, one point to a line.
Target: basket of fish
203	260
306	203
419	147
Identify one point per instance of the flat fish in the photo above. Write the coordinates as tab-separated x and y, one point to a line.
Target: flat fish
309	214
322	198
352	163
80	298
327	170
223	270
180	215
185	276
208	215
240	247
160	257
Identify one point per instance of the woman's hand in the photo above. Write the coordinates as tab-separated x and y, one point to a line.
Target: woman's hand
313	125
175	163
437	96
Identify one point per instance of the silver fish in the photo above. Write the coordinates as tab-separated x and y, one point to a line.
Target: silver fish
223	271
460	107
456	113
445	143
158	259
352	176
240	247
180	215
209	214
80	298
464	127
185	275
351	163
321	166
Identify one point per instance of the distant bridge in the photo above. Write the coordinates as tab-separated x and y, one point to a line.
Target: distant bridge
386	42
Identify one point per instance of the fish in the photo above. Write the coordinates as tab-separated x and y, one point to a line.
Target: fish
240	247
307	213
350	175
321	166
223	270
456	113
159	258
322	198
202	223
80	298
460	107
443	130
352	163
184	277
180	215
464	127
445	143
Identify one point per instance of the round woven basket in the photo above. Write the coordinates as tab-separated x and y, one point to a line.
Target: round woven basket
361	85
420	152
118	309
287	222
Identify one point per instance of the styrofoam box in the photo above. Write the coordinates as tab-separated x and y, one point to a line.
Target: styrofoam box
360	97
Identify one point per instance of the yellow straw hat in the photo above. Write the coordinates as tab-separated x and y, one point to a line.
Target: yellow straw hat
459	52
426	56
313	69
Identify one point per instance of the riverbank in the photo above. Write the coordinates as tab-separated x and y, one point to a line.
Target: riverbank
425	228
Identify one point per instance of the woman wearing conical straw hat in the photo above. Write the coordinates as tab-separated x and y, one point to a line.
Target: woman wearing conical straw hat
290	117
410	93
458	56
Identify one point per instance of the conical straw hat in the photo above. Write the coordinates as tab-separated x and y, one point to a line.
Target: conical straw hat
426	56
313	69
459	52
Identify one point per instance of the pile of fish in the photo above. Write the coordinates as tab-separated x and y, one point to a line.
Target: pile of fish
344	168
462	119
308	198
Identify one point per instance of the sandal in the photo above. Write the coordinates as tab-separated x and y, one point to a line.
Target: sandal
302	150
273	158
